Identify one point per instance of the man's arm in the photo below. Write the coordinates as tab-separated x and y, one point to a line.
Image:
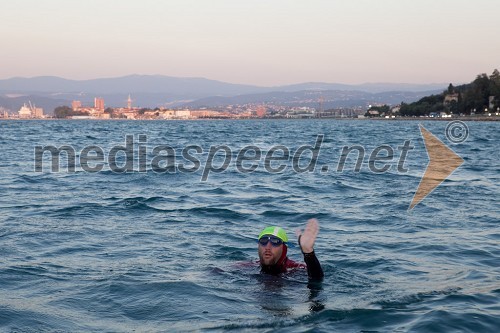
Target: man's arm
306	242
314	270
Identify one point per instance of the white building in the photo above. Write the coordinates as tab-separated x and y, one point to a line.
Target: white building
182	114
24	112
37	112
4	113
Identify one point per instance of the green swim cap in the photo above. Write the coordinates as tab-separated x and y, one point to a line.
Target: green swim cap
275	231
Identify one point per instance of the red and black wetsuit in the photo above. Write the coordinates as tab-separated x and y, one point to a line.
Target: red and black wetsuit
314	270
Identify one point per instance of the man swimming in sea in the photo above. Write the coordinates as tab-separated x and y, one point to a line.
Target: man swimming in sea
273	251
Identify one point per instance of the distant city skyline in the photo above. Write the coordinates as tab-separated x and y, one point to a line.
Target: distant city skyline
262	43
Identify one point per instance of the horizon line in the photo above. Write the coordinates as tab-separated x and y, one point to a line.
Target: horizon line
227	82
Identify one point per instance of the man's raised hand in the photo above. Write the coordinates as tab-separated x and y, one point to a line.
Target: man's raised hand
308	236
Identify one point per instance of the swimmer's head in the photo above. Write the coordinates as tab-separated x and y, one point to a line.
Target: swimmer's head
272	245
274	231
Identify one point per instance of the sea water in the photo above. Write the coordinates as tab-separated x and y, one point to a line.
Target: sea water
151	248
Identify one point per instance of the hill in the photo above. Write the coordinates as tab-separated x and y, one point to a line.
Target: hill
311	98
480	96
157	90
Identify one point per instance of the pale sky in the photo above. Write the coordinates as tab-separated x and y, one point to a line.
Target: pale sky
261	42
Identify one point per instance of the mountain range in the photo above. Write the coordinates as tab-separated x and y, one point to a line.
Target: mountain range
157	90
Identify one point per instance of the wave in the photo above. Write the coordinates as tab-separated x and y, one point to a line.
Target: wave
216	191
45	179
85	209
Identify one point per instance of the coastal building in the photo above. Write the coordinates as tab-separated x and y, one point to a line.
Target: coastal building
182	114
450	98
26	112
37	112
204	114
301	112
99	103
83	117
76	105
260	112
168	114
129	102
396	109
128	114
340	113
4	113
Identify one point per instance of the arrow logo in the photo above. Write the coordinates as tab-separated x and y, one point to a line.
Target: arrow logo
442	162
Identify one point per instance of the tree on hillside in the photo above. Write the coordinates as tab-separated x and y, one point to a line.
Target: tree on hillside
495	88
382	110
110	111
481	92
451	89
460	104
63	111
453	107
474	96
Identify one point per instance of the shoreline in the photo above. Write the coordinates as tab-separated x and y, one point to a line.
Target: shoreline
475	118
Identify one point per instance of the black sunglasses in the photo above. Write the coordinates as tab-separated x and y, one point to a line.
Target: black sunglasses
275	241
